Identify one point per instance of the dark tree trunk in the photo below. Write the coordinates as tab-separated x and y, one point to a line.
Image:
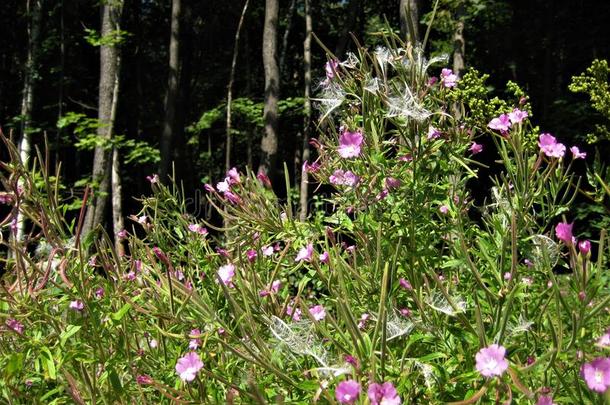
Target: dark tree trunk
269	142
171	96
459	43
303	195
344	37
102	162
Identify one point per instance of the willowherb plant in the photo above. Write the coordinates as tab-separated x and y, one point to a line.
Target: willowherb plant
405	290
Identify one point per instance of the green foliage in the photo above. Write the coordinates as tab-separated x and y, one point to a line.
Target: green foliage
114	38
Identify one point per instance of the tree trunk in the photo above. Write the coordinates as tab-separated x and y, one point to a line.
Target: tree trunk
117	188
289	18
459	44
27	101
171	96
230	86
303	195
269	142
109	69
409	20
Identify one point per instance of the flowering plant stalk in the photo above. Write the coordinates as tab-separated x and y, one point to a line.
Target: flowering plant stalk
417	283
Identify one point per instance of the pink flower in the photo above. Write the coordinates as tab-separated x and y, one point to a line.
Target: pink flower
226	274
122	234
443	209
160	254
318	312
77	305
391	183
198	229
311	167
195	342
406	312
143	379
563	230
545	400
549	145
294	312
448	78
502	124
577	154
251	254
188	366
383	394
516	116
344	178
275	286
604	340
363	319
233	176
232	197
305	254
432	81
153	179
99	293
475	148
584	246
405	284
331	69
433	133
491	361
209	188
324	258
15	325
350	144
347	392
224	185
264	179
267	250
597	374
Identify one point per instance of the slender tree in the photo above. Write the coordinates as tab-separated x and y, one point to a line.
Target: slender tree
109	69
303	196
459	44
352	14
289	19
269	142
409	19
172	93
34	12
230	86
116	181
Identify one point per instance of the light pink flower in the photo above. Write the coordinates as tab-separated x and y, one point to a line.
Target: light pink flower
550	147
331	69
233	176
517	115
545	400
224	185
443	209
267	250
344	178
491	361
350	144
577	154
153	179
405	284
77	305
604	340
563	230
363	319
433	133
122	234
232	197
318	312
597	374
294	312
198	229
475	148
195	342
347	392
324	258
383	394
448	78
275	286
188	366
226	274
305	253
501	123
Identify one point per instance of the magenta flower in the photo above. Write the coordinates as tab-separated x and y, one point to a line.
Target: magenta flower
188	366
391	183
160	254
347	392
475	148
122	234
15	325
604	340
232	197
584	246
318	312
295	313
563	230
264	179
433	133
517	116
311	167
305	254
491	361
405	284
209	188
501	123
99	293
432	81
226	274
77	305
195	342
448	78
549	145
251	254
198	229
383	394
350	144
324	258
577	154
143	379
545	400
344	178
597	374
